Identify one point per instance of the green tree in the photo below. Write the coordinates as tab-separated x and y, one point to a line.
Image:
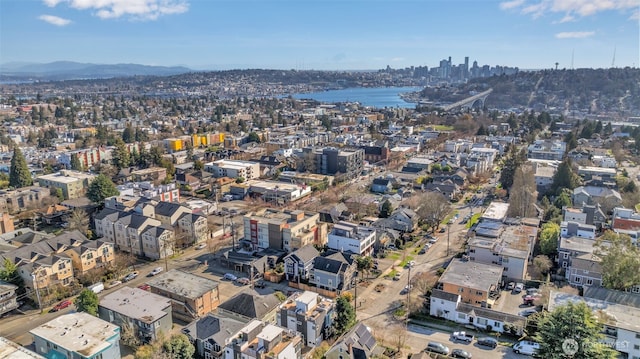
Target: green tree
511	164
563	200
19	175
128	136
254	137
549	238
87	302
573	321
620	261
386	209
564	178
364	264
179	347
345	316
75	162
100	188
121	157
9	273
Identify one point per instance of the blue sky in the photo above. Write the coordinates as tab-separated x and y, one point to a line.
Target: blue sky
322	34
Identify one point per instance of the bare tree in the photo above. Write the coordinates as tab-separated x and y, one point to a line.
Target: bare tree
423	282
128	336
432	207
541	265
79	220
522	195
399	337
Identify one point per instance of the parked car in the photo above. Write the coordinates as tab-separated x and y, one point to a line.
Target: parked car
533	291
243	281
201	246
396	277
97	288
459	353
113	283
511	285
230	277
526	347
528	300
155	271
144	286
439	348
61	305
406	289
433	240
487	342
423	250
462	336
442	230
518	288
259	284
527	312
130	276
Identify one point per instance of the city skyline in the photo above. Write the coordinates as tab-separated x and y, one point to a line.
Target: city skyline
322	35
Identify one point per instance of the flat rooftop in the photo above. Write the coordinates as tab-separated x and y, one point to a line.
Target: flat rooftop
183	284
78	332
496	211
470	274
137	303
11	350
611	314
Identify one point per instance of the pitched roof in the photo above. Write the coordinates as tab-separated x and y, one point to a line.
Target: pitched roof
213	328
305	254
251	304
167	209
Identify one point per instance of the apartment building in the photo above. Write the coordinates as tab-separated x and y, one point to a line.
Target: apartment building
351	237
26	198
509	246
547	150
77	336
308	314
333	161
191	296
234	169
144	313
74	184
267	341
164	192
473	282
88	157
287	230
11	350
91	255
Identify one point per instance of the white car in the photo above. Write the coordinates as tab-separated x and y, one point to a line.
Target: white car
526	347
155	271
230	277
201	246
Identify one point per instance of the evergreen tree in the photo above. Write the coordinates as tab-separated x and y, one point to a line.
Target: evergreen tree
75	162
481	131
100	188
386	209
345	316
564	178
19	175
620	261
121	157
572	331
128	135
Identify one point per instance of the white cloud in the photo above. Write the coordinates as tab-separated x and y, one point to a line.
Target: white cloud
567	18
134	9
570	8
506	5
54	20
635	15
575	34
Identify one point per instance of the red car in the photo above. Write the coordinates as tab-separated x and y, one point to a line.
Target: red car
144	286
61	305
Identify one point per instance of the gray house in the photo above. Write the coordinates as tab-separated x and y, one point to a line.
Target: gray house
8	298
142	312
210	334
359	343
299	263
333	271
249	305
606	197
381	185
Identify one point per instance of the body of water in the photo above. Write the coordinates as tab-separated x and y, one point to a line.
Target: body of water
378	97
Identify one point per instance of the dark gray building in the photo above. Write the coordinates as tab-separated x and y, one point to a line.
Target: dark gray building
211	333
308	314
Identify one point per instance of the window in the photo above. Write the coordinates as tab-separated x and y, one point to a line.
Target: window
589	282
565	255
577	279
460	290
565	264
497	324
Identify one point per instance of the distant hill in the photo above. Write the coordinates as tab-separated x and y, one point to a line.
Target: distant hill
68	70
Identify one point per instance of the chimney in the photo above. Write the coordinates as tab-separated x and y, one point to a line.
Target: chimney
349	347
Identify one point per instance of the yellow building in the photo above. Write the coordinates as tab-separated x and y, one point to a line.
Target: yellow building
174	144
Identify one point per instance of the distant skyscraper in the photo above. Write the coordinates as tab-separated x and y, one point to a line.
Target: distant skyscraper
466	67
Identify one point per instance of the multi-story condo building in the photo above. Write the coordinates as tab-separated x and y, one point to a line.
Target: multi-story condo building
234	169
286	230
308	314
165	192
211	334
350	237
473	282
509	246
141	312
26	198
192	296
77	336
333	161
547	150
87	156
73	184
257	340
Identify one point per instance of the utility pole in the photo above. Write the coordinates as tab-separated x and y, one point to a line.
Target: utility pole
355	293
448	236
35	285
408	297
